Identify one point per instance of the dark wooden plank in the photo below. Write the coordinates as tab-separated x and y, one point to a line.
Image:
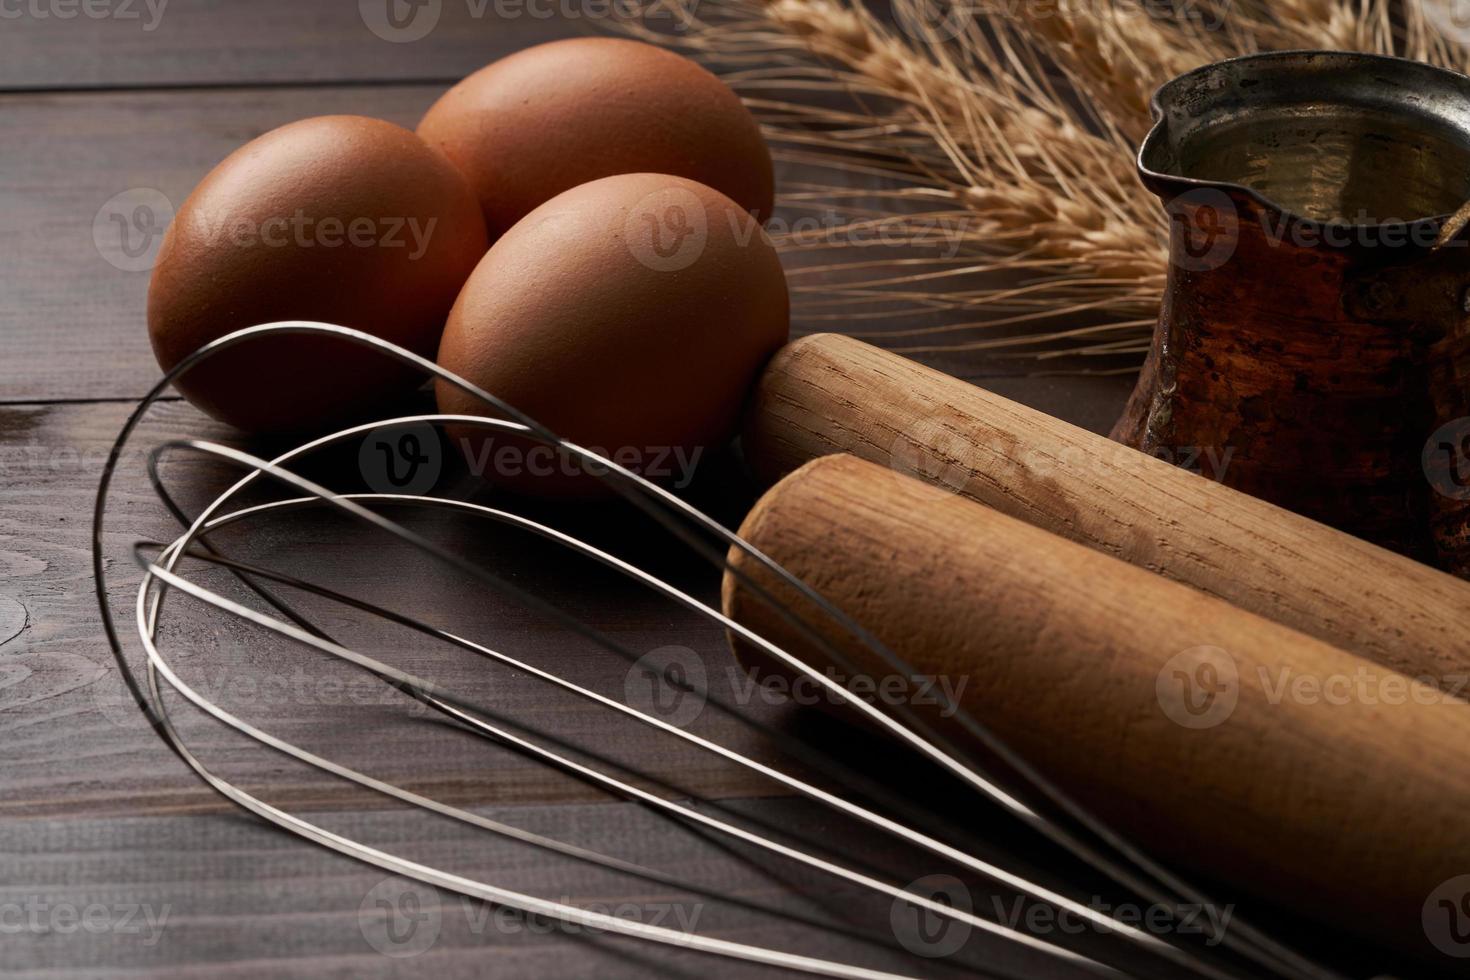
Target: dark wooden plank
231	896
72	312
183	896
75	744
94	811
50	44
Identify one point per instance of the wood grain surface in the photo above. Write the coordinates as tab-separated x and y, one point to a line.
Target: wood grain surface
192	43
96	815
74	321
244	901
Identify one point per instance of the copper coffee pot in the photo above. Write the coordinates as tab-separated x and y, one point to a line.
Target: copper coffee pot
1314	340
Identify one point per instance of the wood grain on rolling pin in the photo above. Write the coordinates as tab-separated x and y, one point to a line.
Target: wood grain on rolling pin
827	393
1359	792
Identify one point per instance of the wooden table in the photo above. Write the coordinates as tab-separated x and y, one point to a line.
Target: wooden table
114	858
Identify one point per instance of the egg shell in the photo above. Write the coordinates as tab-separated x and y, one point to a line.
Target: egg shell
630	315
548	118
342	219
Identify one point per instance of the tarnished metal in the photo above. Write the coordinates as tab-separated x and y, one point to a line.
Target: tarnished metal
1314	333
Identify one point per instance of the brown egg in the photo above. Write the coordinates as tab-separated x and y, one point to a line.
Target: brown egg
343	219
629	315
557	115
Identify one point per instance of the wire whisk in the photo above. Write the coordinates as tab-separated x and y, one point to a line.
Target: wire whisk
1008	782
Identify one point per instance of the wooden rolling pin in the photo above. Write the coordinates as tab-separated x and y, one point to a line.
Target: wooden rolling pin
1221	741
827	393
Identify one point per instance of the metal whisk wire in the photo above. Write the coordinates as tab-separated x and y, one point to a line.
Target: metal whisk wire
161	575
456	709
462	710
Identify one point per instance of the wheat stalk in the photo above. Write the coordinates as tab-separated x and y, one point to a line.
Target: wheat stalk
1016	133
1114	53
